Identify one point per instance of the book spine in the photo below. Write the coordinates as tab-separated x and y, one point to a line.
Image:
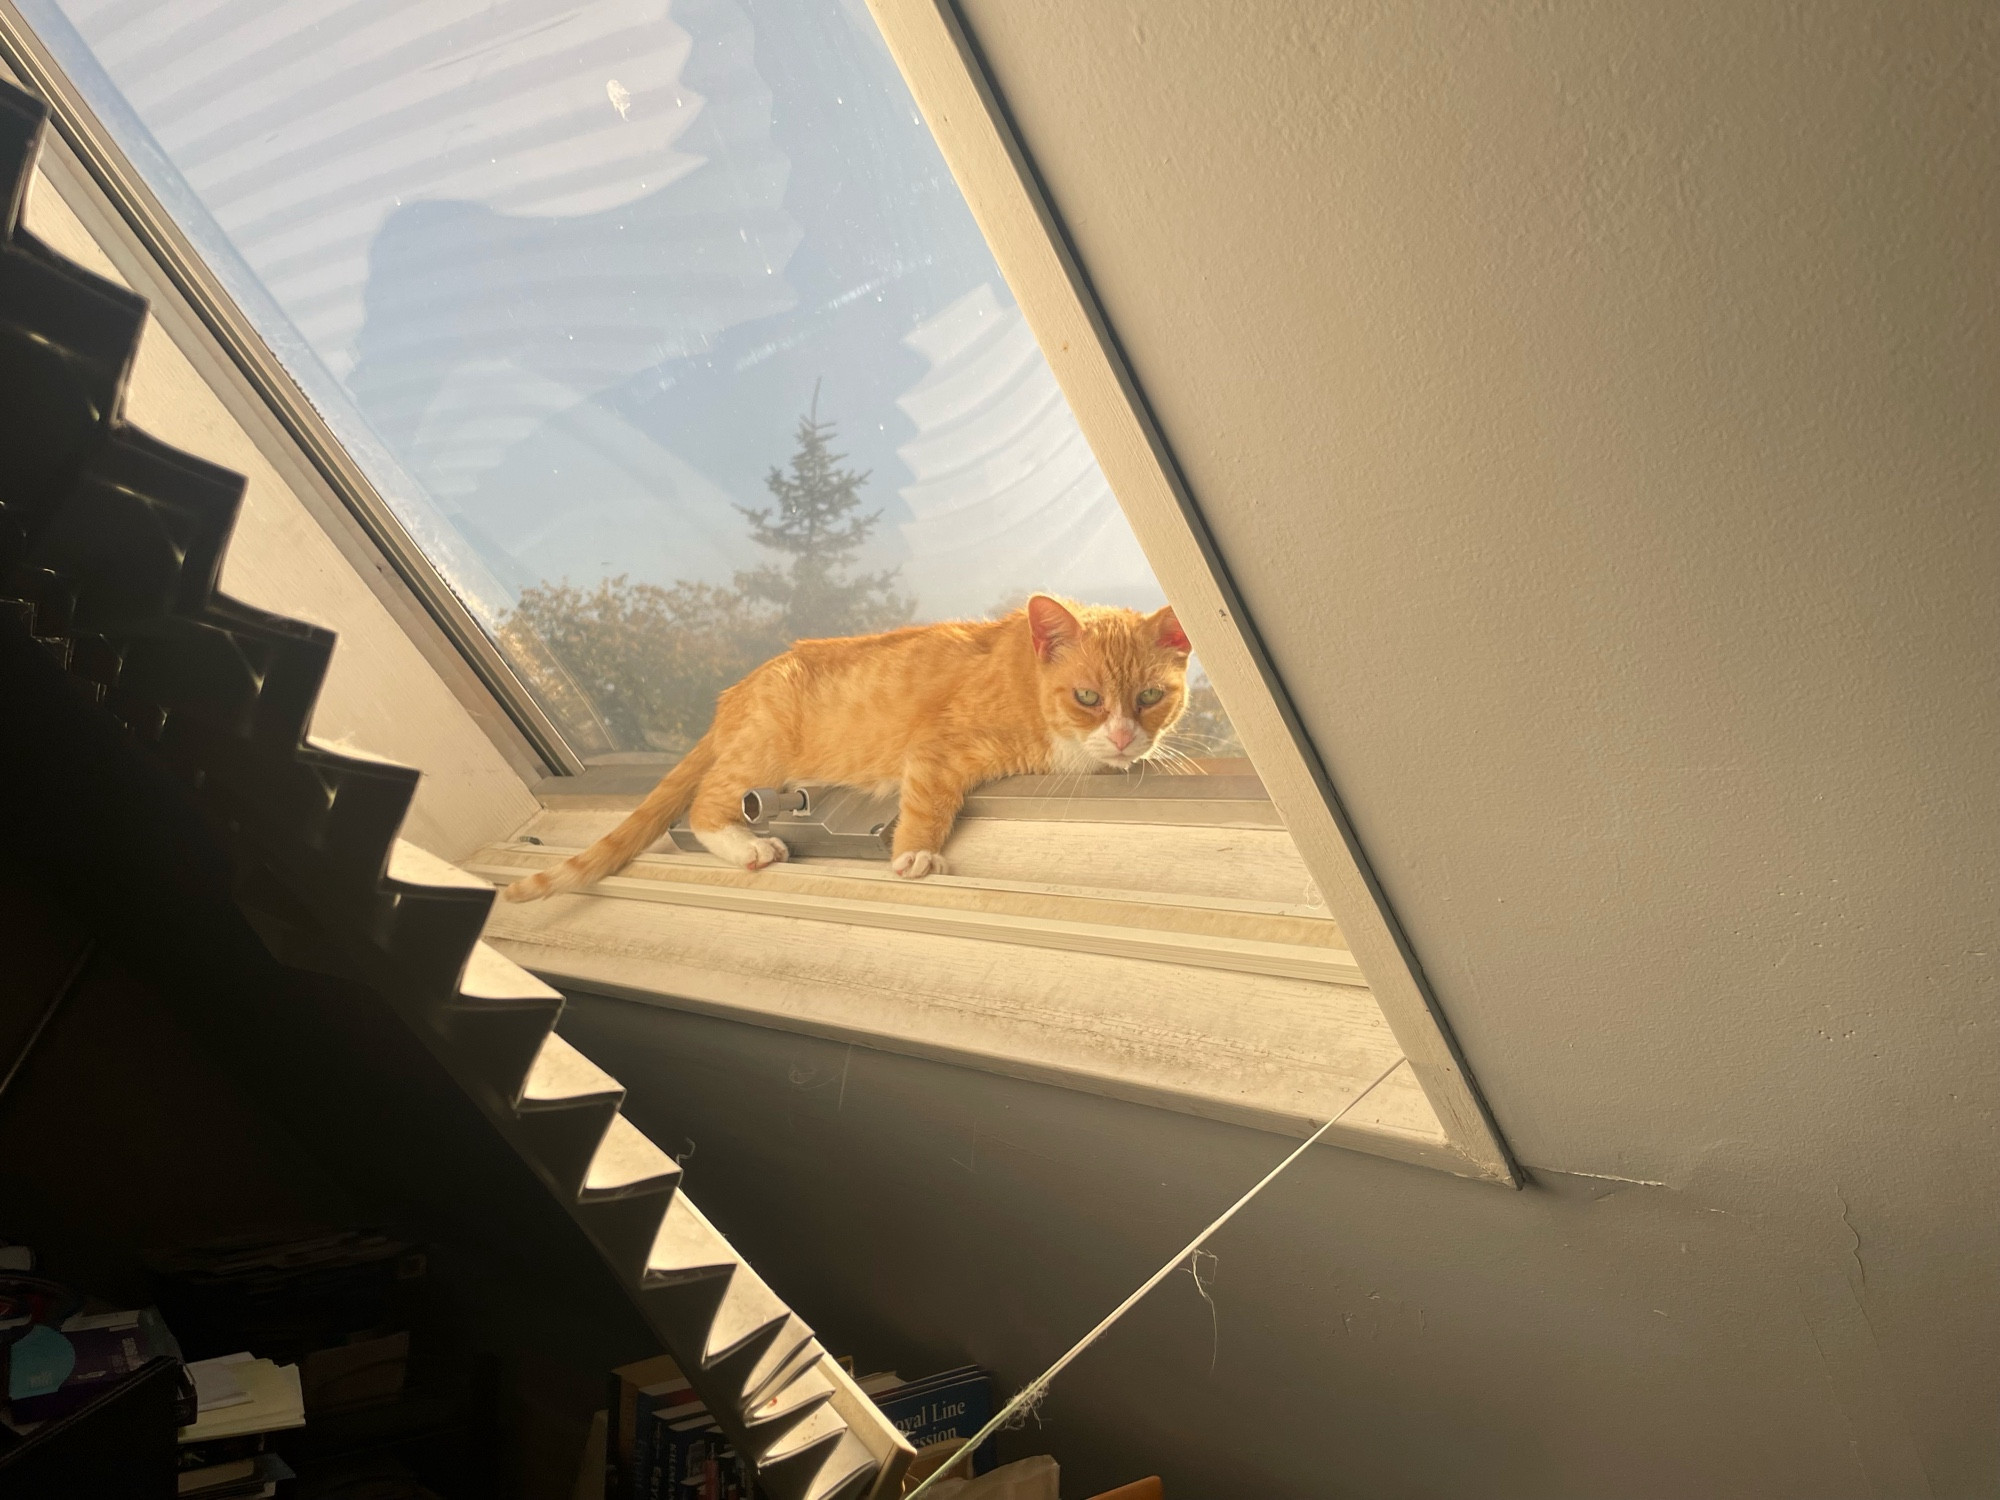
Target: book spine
687	1465
686	1468
645	1483
712	1470
615	1459
666	1463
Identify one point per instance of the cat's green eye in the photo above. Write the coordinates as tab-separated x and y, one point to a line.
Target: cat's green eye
1087	698
1151	696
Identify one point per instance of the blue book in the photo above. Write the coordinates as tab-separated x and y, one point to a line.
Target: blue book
946	1408
679	1452
650	1443
636	1390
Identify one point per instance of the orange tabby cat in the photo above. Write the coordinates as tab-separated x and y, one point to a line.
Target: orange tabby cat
931	709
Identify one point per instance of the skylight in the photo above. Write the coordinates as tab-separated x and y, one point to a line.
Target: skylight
642	340
578	283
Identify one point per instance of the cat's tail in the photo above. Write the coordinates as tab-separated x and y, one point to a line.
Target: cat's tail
622	845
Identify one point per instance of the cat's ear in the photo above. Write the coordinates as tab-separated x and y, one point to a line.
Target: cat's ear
1052	626
1167	632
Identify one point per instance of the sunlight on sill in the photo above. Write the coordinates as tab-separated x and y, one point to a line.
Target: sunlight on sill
1186	966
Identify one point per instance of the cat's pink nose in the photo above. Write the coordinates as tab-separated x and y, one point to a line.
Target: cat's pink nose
1120	733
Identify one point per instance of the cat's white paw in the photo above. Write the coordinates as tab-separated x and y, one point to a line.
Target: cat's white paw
737	845
915	864
764	852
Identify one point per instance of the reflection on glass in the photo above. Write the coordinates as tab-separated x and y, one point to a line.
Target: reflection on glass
662	326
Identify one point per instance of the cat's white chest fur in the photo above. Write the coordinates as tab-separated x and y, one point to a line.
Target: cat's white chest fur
1068	755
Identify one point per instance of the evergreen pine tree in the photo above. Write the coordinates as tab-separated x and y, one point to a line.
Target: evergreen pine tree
633	666
816	524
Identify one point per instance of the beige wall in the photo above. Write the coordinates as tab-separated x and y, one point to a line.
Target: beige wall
381	694
1600	408
1597	405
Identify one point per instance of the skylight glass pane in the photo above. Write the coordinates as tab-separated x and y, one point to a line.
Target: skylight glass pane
571	281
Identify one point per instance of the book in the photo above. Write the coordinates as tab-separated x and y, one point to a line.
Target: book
258	1474
53	1370
655	1452
621	1408
662	1443
945	1408
222	1450
233	1471
680	1454
636	1390
689	1457
709	1468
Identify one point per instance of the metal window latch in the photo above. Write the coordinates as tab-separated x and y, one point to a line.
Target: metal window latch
816	819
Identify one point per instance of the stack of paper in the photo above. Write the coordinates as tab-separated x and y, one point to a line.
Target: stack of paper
238	1394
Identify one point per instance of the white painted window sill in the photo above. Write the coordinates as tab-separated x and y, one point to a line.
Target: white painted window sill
1185	965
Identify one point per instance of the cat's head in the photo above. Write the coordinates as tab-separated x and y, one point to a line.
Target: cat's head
1112	680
